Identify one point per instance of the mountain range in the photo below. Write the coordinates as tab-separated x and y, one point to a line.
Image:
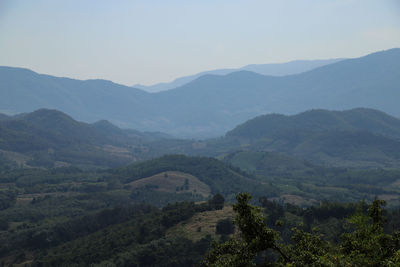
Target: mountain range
211	104
277	69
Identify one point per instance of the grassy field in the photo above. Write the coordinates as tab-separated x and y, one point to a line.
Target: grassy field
172	181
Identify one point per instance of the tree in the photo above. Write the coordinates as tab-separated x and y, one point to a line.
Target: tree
225	227
255	237
366	245
216	202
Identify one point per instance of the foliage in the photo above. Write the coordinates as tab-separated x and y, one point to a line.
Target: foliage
225	227
365	245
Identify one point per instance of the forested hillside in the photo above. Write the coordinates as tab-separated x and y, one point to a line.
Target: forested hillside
353	138
50	138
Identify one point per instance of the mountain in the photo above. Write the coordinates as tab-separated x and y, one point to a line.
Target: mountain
23	90
211	104
221	102
277	69
357	137
50	138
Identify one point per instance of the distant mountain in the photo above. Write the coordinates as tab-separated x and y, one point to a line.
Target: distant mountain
277	69
22	90
221	102
50	137
358	137
211	104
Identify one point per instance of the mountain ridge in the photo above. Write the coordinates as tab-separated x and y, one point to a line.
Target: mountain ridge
271	69
211	105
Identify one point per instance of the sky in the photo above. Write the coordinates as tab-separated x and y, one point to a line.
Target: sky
153	41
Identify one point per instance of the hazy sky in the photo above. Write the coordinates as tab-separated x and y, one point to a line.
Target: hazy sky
151	41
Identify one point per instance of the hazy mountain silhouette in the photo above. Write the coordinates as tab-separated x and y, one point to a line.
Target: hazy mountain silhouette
274	69
211	104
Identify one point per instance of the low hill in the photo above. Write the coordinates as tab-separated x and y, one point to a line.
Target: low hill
219	177
358	119
50	137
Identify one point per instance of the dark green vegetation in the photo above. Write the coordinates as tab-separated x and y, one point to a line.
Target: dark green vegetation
60	215
303	183
66	215
363	243
210	105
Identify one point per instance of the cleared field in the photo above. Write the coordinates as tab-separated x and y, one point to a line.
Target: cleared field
201	224
170	181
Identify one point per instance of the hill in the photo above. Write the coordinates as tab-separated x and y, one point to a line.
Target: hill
219	177
358	119
357	137
50	138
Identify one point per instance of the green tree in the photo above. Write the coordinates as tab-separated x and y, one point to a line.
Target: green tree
255	237
216	202
366	245
225	227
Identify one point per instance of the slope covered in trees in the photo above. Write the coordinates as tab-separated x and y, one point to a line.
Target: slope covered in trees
50	136
353	138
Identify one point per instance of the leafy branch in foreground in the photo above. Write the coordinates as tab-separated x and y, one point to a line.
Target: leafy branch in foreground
258	245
